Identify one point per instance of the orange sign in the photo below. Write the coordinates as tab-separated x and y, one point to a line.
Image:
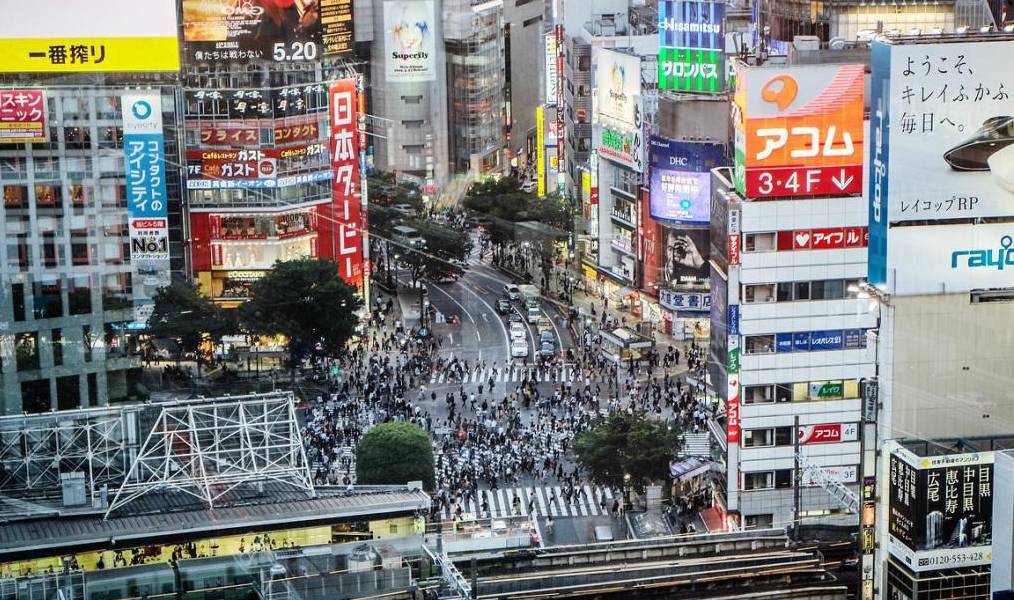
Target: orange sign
799	130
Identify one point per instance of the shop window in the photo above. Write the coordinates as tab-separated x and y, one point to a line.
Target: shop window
760	344
758	438
763	480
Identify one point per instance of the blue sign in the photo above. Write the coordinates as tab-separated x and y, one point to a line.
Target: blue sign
144	160
733	319
801	341
681	179
691	24
817	341
877	182
783	342
826	340
685	301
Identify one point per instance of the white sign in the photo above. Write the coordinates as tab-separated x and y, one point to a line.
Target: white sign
950	258
411	45
618	84
551	74
942	123
843	473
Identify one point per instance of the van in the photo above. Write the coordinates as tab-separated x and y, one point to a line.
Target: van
533	314
408	236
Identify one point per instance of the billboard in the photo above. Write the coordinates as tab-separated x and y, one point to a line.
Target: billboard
949	258
691	48
622	146
56	36
346	215
822	238
681	179
551	74
256	169
684	257
799	130
648	250
940	509
618	84
410	39
22	116
287	31
828	433
942	120
540	151
147	204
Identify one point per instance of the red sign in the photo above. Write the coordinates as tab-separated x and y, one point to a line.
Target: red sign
826	433
800	130
348	237
230	134
732	410
828	238
733	250
22	117
648	245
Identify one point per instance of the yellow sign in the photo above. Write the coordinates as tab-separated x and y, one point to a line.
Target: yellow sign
540	150
76	55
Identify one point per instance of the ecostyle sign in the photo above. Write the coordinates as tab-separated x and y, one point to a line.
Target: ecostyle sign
681	179
411	45
950	258
691	45
799	130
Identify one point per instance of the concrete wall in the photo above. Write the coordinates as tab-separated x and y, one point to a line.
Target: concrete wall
527	60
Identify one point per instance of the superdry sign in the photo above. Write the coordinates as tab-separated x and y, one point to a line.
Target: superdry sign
799	130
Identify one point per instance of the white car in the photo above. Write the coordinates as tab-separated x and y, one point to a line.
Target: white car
511	291
528	187
518	331
519	348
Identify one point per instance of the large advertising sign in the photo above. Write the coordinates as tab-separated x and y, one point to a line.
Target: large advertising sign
540	151
411	43
22	116
280	31
255	169
618	84
57	36
685	254
799	130
622	146
348	250
940	509
681	179
942	119
828	433
691	46
649	251
147	205
551	73
935	259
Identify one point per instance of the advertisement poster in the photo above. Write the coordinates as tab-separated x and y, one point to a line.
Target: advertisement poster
337	28
551	74
22	116
685	254
799	130
256	169
347	236
226	30
147	208
681	179
649	251
411	43
622	146
826	433
57	36
691	48
940	509
942	121
825	238
618	84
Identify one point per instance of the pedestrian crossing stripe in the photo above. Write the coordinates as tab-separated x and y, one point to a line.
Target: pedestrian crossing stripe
544	500
508	374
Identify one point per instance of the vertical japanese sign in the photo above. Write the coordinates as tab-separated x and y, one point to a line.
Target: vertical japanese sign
551	74
540	151
561	179
347	201
691	49
799	130
147	205
22	116
940	509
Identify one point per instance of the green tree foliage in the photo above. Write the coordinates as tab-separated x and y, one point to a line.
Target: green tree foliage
505	200
306	301
182	314
395	453
443	243
627	444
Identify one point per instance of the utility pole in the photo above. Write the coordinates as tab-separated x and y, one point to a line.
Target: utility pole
797	482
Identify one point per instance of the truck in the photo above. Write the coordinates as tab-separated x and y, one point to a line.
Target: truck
530	296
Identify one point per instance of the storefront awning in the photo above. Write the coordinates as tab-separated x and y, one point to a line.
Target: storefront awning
689	468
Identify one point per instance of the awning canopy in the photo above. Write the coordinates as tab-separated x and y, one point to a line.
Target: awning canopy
689	468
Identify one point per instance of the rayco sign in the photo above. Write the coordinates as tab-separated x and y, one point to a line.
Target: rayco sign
799	130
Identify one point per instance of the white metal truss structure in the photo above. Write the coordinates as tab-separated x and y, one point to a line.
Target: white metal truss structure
35	450
845	497
208	447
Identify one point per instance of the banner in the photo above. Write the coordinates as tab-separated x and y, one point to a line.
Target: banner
57	36
618	84
691	49
681	179
348	235
22	117
147	204
622	146
410	41
799	130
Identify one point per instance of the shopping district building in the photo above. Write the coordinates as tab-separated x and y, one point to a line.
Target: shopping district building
850	286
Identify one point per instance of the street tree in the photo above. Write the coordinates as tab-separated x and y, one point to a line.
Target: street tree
306	301
393	454
183	314
443	244
623	446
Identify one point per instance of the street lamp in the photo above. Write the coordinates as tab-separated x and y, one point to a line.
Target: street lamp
627	505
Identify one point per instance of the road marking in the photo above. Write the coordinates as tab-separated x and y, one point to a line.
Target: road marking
503	328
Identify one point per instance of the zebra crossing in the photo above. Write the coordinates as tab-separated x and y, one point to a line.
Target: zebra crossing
516	373
543	500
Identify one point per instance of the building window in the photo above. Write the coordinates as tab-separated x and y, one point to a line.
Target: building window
758	438
86	343
783	436
759	521
56	341
759	292
759	242
26	350
758	394
760	344
783	479
531	21
48	301
763	480
18	301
